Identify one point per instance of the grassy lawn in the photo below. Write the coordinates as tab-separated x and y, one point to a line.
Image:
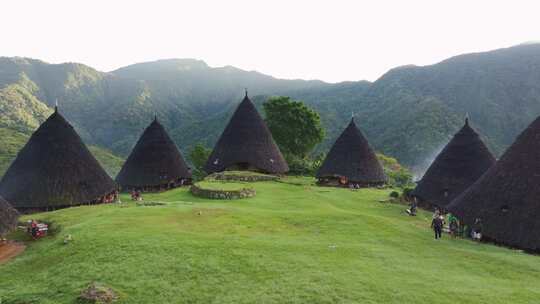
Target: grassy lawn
292	243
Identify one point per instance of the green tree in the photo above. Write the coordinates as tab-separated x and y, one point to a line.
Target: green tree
398	176
198	155
295	127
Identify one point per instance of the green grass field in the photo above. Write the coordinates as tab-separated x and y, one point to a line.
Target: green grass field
292	243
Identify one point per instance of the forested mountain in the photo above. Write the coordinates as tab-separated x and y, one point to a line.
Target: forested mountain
409	113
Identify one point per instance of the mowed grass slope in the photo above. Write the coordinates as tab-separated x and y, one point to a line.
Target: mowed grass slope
292	243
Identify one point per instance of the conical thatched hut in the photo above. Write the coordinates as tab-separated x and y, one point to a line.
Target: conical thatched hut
8	217
55	170
155	163
246	144
351	161
464	159
507	197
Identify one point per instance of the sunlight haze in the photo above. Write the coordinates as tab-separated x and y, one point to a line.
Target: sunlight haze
328	40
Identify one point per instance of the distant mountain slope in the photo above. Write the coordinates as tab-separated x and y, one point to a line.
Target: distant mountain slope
111	109
409	113
500	90
12	141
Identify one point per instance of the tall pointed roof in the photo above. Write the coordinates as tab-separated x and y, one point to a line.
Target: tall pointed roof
155	160
352	156
246	140
54	169
8	217
464	159
507	197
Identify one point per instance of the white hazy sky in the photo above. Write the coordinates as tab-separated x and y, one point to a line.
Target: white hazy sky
329	40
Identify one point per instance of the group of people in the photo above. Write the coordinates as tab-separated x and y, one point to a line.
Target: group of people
36	229
110	198
136	195
354	186
454	227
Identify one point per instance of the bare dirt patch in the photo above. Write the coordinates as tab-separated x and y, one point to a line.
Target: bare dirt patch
9	250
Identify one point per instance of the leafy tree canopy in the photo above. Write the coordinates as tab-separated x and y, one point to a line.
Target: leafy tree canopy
295	127
198	156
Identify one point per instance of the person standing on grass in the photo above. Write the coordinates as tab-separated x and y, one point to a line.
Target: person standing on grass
437	225
34	229
453	224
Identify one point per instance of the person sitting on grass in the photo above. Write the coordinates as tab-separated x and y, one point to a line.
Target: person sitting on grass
413	207
477	230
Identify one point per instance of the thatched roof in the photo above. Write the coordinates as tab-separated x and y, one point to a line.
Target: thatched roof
155	160
8	217
351	156
507	197
246	140
54	169
464	159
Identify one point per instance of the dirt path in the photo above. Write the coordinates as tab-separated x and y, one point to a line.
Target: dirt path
10	250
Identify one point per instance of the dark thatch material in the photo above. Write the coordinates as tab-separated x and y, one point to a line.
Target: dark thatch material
54	170
507	197
155	162
8	217
352	159
246	144
464	159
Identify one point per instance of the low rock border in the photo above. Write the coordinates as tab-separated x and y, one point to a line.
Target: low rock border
222	194
230	176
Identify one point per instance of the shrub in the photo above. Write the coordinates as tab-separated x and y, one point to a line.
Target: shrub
307	166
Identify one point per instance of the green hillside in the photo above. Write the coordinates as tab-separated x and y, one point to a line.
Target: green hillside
110	162
292	243
409	113
12	141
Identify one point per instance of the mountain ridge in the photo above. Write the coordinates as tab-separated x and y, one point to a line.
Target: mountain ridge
408	113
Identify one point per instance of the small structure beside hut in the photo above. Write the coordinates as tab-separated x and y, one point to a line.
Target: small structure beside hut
155	163
8	218
351	162
55	170
461	163
246	144
506	199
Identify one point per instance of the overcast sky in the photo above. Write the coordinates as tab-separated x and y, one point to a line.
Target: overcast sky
329	40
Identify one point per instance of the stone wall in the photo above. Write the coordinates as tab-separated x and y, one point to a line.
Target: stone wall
222	194
225	176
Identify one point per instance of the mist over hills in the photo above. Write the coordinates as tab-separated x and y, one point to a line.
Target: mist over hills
408	113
